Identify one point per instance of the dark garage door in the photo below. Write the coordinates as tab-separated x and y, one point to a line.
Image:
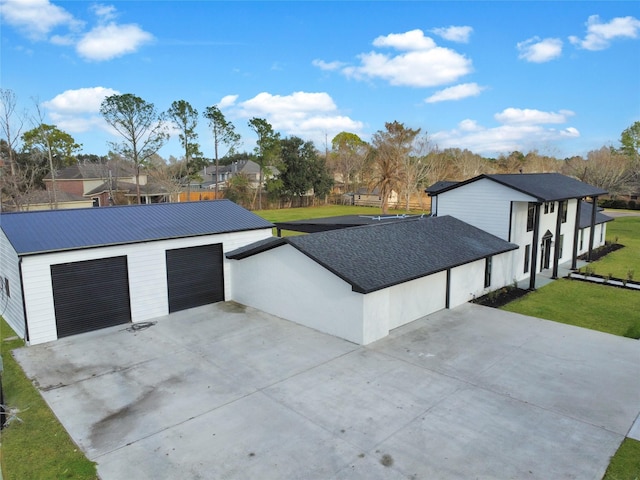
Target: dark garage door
90	295
195	276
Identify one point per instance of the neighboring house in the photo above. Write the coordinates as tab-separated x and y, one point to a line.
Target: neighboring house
372	198
540	212
105	193
44	200
585	228
70	271
358	283
244	167
101	183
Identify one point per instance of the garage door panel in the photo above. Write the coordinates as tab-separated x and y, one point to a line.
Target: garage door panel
90	295
195	276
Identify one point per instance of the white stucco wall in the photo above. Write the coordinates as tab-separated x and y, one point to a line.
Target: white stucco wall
147	276
286	283
598	240
417	298
521	237
11	307
484	204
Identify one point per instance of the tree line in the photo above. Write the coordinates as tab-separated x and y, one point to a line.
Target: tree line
398	159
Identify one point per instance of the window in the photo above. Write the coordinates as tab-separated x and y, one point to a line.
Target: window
601	232
487	272
527	257
549	207
560	245
531	216
6	288
563	210
546	207
581	238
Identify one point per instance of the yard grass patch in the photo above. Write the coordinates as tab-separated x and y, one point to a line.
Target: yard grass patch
625	464
598	307
37	447
626	231
292	214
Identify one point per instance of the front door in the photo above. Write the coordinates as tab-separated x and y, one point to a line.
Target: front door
546	253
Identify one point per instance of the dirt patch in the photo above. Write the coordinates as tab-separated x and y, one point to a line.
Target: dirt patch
232	307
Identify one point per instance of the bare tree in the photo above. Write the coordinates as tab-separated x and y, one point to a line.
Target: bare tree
604	168
11	125
393	147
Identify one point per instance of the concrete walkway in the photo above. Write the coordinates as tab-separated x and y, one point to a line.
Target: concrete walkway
224	391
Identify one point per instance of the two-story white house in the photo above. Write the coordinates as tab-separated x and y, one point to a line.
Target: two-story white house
540	212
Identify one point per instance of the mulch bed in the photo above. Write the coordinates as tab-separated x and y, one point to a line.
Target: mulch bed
500	297
600	252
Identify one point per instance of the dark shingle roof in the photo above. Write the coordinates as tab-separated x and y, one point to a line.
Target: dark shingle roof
56	230
438	186
374	257
332	223
546	187
585	215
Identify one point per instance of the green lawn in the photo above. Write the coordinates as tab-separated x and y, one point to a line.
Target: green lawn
607	309
304	213
626	231
291	214
38	447
625	464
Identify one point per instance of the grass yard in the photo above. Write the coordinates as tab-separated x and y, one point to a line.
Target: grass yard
304	213
38	447
627	232
606	309
625	464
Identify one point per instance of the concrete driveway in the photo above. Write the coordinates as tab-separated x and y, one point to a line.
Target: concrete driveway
228	392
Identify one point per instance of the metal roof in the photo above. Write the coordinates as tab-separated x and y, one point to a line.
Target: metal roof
546	187
58	230
374	257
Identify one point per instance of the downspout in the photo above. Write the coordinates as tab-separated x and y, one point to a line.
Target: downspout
534	248
556	249
24	303
447	301
576	233
594	207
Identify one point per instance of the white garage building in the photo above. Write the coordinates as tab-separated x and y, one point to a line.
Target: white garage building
64	272
360	282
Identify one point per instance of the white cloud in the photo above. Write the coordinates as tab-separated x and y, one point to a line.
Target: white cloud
105	42
513	116
456	92
328	66
104	12
227	101
309	115
539	51
78	110
521	130
412	40
36	18
454	34
599	35
422	64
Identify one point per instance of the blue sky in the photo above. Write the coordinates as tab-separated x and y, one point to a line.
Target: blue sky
493	77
